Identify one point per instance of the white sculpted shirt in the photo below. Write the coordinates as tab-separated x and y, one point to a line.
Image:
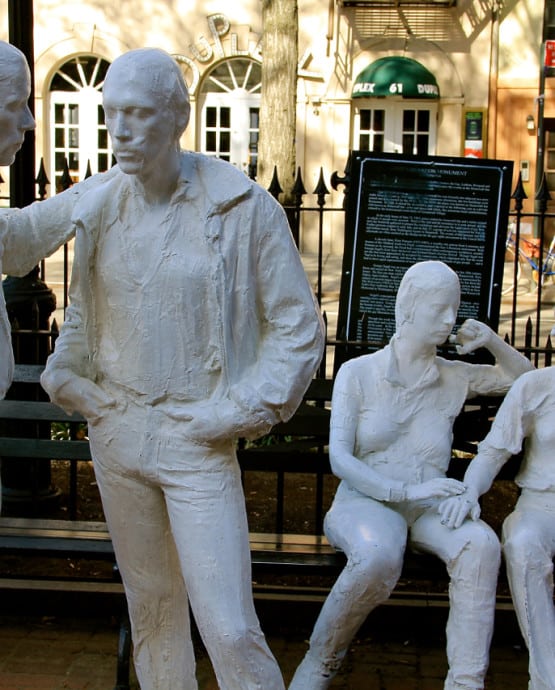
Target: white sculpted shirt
403	433
221	311
155	298
528	412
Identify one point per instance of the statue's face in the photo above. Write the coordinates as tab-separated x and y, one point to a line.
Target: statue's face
434	316
139	121
15	115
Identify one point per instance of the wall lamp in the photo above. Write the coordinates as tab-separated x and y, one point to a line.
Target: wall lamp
530	124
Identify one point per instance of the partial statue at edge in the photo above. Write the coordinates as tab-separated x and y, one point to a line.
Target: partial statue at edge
191	323
526	418
30	234
391	427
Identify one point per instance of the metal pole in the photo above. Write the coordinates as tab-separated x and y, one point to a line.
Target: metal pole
22	172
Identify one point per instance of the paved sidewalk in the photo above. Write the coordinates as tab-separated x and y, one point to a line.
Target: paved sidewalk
61	653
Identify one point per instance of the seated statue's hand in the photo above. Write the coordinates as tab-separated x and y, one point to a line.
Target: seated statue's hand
471	336
456	509
439	487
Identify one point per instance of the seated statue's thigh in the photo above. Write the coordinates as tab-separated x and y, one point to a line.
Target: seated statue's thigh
428	535
527	529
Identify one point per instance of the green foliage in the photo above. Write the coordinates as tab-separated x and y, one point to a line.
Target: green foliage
67	431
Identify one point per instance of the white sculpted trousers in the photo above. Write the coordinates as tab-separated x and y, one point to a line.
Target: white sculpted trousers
177	518
373	537
529	547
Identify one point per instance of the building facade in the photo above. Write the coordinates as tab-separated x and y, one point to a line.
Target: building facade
442	77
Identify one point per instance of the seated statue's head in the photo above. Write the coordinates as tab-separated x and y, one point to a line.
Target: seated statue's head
429	292
147	108
15	88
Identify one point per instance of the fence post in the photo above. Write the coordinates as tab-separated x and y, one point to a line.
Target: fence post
321	191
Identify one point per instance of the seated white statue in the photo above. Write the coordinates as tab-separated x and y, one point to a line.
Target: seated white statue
390	444
526	418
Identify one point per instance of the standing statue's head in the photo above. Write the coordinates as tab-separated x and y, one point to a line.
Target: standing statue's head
428	299
15	89
147	107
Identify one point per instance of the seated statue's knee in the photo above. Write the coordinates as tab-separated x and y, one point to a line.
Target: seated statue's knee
234	638
482	547
376	567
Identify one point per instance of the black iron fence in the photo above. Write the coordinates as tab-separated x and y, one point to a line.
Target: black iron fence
528	298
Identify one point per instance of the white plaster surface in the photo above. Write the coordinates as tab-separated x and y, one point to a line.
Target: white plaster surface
524	420
30	234
15	120
191	323
390	443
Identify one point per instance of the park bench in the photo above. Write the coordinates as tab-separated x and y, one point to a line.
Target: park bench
285	565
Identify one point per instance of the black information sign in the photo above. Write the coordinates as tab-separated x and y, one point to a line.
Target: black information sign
407	209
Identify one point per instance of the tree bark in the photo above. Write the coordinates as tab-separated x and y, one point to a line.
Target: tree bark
278	107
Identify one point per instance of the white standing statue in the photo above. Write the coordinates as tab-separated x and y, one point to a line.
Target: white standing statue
526	419
191	323
29	234
390	443
18	253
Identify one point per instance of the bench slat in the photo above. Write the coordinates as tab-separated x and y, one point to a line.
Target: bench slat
32	410
44	448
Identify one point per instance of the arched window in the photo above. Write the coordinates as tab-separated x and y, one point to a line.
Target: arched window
229	104
77	128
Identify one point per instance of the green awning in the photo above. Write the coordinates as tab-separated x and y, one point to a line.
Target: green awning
395	76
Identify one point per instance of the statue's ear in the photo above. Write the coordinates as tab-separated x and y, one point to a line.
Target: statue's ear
182	119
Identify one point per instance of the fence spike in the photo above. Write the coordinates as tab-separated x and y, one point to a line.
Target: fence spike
298	188
543	195
321	190
275	187
519	193
42	180
65	181
88	172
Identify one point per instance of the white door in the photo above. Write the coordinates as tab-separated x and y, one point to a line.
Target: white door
408	127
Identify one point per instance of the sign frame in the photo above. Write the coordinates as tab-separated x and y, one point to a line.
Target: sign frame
449	208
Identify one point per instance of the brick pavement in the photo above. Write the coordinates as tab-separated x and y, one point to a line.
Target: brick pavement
68	653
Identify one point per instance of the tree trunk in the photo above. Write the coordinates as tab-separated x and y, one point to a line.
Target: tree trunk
278	107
